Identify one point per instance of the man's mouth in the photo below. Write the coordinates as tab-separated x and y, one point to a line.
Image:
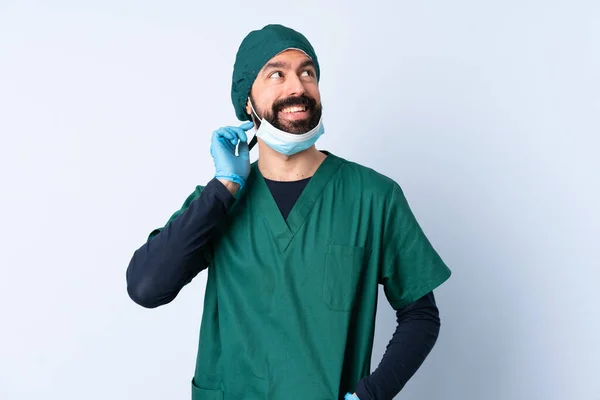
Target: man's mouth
294	113
294	109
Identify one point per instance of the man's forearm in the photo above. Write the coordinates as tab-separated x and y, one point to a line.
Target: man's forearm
415	335
161	267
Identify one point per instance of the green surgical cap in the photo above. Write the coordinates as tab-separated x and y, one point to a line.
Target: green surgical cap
255	51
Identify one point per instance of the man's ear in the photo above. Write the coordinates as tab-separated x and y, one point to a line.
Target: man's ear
248	108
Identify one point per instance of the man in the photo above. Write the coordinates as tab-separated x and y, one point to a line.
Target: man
295	246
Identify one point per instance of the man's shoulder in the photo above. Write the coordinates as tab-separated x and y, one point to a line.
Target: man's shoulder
366	177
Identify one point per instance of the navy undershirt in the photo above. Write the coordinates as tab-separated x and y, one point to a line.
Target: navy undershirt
286	193
172	257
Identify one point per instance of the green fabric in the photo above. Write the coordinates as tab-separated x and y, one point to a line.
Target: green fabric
257	48
289	307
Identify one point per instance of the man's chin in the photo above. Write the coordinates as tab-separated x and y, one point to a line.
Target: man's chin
296	127
295	130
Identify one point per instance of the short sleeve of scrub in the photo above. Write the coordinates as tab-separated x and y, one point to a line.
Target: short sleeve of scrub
410	266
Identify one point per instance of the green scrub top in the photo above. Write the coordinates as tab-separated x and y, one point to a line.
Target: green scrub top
289	310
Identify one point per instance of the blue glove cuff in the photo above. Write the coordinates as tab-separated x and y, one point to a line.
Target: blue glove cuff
350	396
232	178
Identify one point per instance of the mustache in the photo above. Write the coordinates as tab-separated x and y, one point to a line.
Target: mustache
302	100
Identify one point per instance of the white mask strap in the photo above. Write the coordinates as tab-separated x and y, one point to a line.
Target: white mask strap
253	110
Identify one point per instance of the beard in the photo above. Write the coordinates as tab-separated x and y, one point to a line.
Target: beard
295	127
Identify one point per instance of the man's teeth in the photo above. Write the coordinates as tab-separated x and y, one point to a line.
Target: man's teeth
293	109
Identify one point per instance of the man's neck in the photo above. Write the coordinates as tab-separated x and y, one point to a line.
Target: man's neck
278	167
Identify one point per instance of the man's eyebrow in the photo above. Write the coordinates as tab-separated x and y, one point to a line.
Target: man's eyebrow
275	64
284	65
307	63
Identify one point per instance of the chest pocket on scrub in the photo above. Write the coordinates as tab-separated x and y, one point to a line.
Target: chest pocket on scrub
343	269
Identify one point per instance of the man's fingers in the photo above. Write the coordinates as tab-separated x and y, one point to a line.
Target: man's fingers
224	132
247	125
226	142
239	133
234	133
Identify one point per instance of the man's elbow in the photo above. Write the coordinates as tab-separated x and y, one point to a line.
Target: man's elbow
141	296
140	287
144	293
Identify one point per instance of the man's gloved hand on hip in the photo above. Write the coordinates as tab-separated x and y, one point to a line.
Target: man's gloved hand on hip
228	166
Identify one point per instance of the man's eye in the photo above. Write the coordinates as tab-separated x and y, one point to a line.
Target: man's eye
307	73
276	74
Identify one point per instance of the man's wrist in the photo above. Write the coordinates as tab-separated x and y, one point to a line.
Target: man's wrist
233	187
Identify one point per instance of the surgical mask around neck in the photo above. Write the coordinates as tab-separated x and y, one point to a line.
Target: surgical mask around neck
284	142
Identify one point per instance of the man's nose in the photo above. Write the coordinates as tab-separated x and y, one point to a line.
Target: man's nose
294	86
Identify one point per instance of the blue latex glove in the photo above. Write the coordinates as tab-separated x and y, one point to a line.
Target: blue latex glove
223	144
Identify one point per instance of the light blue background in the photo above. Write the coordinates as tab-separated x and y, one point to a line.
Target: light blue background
486	112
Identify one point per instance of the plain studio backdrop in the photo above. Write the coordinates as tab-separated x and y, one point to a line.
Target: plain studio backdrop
486	113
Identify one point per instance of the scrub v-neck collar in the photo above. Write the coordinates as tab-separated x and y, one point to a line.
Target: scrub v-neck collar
284	230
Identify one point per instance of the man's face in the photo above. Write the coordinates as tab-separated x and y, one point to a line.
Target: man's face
286	93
